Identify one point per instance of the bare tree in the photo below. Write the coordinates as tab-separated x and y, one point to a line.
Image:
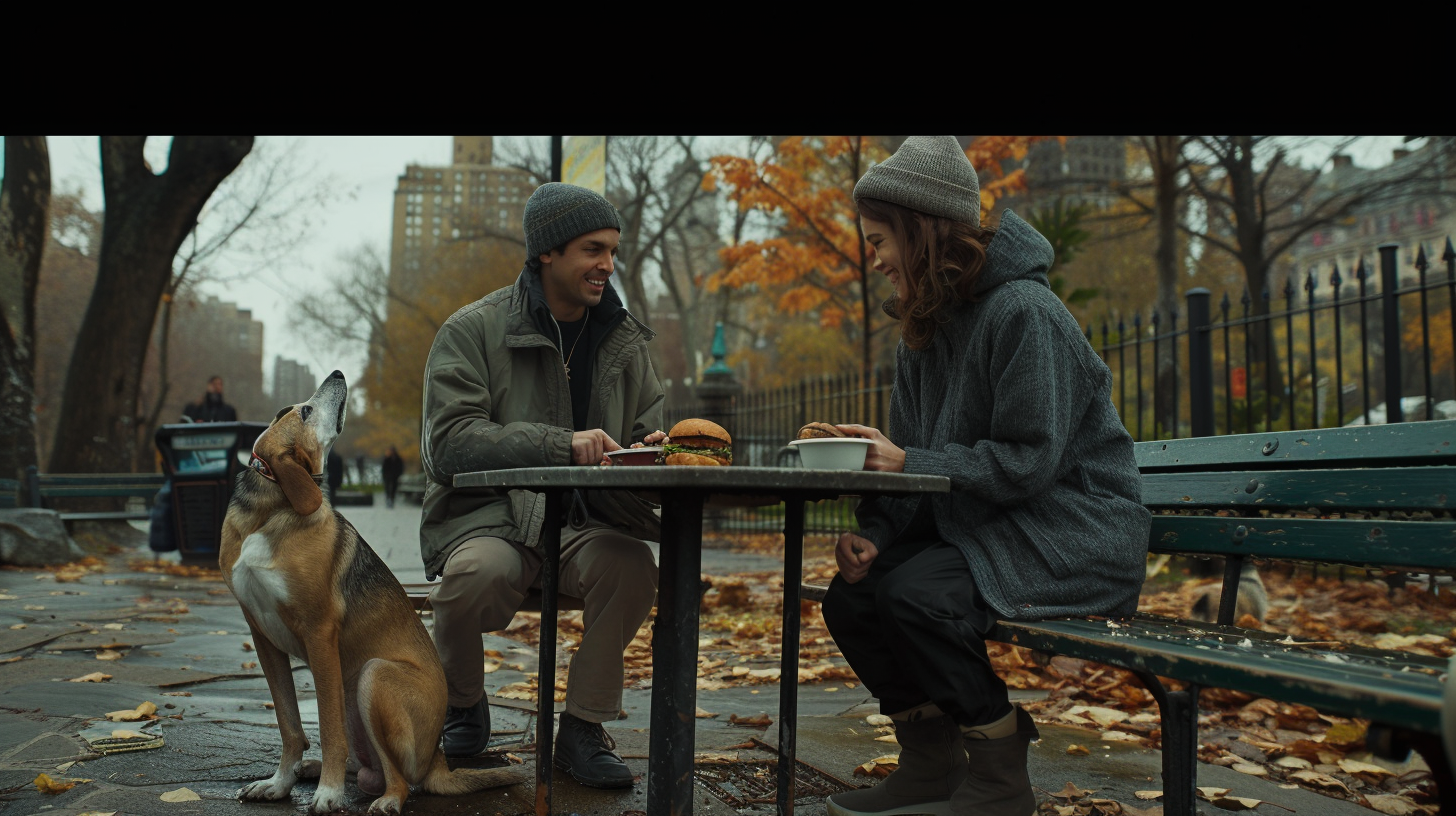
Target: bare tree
148	216
1260	203
1163	203
259	214
24	205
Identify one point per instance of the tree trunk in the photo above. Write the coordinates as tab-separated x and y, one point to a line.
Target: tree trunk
147	218
1250	231
1166	155
24	208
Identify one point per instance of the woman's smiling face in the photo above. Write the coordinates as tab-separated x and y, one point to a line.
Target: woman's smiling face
887	254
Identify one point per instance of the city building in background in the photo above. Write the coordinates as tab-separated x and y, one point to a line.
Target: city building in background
213	336
470	198
293	382
1423	217
1083	170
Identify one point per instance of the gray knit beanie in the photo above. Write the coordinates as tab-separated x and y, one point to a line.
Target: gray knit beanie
930	174
557	213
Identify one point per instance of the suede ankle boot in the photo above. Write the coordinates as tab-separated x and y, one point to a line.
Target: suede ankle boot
997	784
932	765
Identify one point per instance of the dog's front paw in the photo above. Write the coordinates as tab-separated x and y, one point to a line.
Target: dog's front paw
386	806
271	789
328	800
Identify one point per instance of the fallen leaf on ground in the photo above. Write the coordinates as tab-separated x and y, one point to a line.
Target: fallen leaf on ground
93	677
45	784
879	766
1148	795
145	711
247	646
1077	750
704	715
755	721
251	664
1393	805
1072	792
180	795
114	626
108	654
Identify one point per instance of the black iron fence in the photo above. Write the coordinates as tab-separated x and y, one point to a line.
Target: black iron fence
1334	348
1337	347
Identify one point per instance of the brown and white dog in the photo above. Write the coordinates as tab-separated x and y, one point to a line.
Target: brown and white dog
310	587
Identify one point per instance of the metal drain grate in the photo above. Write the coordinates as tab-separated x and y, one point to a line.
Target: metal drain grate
754	783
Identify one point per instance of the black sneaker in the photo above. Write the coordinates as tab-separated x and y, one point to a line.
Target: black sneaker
466	731
584	750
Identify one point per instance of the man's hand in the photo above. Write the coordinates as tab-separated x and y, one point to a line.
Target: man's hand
854	554
654	438
883	455
591	447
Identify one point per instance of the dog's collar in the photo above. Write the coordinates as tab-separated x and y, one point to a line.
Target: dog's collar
262	467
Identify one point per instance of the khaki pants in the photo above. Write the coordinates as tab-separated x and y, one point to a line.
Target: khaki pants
482	586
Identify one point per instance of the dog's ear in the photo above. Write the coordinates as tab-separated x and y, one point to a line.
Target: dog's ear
294	473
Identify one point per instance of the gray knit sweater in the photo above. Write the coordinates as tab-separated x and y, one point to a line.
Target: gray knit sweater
1012	404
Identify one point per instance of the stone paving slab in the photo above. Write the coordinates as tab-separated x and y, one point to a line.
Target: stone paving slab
226	735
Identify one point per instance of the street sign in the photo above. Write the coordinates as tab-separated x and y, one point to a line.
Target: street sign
584	162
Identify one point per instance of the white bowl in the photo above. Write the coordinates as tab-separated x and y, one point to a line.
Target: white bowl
837	453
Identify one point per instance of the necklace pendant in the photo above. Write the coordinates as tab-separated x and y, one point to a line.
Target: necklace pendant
567	368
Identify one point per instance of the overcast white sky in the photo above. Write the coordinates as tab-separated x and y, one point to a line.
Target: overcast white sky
366	168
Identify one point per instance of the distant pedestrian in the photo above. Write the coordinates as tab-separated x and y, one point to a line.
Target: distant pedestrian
359	465
336	475
392	468
211	407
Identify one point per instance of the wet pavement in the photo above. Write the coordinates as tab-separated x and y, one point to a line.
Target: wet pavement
181	644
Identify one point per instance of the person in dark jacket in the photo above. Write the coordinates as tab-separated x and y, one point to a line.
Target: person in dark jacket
211	407
996	388
551	371
391	469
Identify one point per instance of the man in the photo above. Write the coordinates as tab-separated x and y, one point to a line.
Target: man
390	470
211	408
550	371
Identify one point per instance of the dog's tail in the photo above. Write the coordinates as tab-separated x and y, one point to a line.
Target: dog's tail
441	780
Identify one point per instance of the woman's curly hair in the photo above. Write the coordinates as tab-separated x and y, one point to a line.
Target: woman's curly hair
941	261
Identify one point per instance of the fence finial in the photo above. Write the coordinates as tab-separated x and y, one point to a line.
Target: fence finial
720	351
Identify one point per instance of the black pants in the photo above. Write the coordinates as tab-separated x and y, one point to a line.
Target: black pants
913	630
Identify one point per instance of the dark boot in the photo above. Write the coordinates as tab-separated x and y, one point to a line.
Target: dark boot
932	765
466	731
584	750
998	784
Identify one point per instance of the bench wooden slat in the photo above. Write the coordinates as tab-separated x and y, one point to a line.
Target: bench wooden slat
1355	542
107	491
1405	443
1405	488
1401	690
89	479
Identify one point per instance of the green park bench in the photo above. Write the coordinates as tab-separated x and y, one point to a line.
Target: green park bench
45	488
1370	498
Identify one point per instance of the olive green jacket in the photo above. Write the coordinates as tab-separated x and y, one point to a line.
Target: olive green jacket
496	396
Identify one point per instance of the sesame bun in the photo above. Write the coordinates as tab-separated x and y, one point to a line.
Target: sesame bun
820	430
690	459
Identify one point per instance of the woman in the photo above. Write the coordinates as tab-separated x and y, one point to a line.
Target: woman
996	388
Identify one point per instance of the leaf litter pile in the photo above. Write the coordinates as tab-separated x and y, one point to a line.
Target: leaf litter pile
1286	744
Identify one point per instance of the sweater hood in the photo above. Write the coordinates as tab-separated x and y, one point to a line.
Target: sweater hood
1017	252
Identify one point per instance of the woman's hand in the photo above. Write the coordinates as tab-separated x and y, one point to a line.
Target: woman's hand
853	555
883	455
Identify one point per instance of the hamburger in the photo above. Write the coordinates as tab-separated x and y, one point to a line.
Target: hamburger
820	430
698	442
